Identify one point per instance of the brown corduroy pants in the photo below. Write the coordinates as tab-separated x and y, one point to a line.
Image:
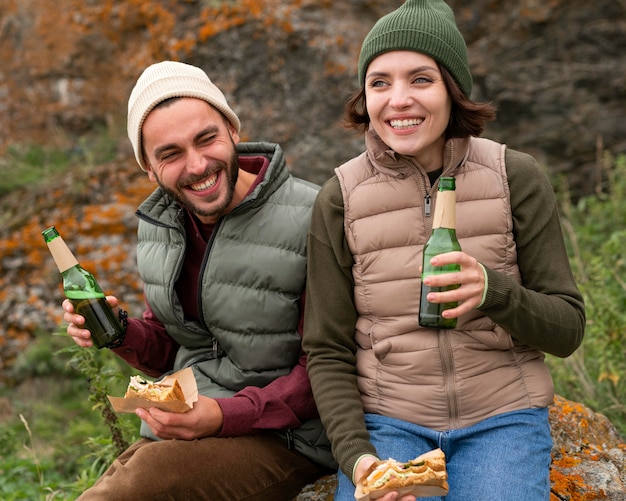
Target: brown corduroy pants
251	468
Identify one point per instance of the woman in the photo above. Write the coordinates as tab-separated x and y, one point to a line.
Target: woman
384	386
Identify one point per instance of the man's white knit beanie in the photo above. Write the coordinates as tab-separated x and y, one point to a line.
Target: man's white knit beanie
168	79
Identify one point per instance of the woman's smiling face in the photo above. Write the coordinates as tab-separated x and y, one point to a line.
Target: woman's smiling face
409	105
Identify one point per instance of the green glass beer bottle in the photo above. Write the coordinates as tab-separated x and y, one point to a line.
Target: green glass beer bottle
442	239
85	294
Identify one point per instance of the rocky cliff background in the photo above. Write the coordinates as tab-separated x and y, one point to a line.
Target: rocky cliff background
556	69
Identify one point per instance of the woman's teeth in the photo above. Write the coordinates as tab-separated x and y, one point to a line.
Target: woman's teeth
402	124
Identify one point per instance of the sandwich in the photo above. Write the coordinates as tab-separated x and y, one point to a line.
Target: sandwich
154	391
425	475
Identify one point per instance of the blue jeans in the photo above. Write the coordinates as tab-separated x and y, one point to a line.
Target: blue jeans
506	457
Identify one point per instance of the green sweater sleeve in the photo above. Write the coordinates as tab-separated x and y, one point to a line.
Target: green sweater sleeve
546	311
329	321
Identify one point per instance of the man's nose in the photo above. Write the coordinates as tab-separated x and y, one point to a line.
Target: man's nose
195	161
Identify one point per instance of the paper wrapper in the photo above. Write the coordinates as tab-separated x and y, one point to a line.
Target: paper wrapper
419	491
187	382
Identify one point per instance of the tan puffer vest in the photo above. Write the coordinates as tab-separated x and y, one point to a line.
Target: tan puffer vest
442	379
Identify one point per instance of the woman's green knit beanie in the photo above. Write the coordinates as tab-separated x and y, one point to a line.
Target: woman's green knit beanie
425	26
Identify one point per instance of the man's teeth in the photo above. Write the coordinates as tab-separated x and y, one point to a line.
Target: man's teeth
207	183
398	124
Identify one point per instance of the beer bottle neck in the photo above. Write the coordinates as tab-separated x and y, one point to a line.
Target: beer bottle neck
445	210
62	255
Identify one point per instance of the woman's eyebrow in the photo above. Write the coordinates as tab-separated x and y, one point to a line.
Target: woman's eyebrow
414	70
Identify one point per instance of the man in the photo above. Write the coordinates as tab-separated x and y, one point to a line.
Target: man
221	251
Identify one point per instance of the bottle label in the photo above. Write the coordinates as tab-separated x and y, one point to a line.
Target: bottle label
445	210
61	254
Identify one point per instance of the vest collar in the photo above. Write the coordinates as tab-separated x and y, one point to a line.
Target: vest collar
391	163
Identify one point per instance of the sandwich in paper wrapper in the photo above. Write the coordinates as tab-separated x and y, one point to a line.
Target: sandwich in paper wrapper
174	393
423	476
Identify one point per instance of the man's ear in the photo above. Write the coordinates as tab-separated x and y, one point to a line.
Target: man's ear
150	172
234	134
147	165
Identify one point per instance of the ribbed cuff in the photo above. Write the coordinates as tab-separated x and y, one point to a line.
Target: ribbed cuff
355	480
482	301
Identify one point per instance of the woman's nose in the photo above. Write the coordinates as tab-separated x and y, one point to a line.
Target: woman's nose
399	97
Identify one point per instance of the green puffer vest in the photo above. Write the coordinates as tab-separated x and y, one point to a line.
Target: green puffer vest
252	278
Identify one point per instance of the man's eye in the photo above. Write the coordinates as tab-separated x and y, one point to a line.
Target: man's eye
168	156
204	140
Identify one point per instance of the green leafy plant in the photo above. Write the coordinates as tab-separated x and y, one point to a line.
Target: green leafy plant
50	447
98	378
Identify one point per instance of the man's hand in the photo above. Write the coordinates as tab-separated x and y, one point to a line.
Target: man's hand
80	335
360	470
204	420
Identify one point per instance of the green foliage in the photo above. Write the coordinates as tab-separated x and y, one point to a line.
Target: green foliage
54	445
99	377
28	165
595	232
38	360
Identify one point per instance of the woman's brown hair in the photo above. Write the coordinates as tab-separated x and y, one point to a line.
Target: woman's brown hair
467	118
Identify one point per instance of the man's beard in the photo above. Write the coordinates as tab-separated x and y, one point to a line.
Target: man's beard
232	172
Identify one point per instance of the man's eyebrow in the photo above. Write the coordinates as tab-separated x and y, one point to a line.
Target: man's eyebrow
162	149
211	129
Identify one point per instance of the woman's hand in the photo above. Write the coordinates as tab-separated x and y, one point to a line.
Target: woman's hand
471	280
75	329
362	467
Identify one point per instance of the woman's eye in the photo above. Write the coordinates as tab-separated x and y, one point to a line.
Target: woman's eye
421	80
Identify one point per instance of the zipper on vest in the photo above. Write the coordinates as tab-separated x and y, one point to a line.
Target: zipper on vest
447	367
203	267
427	206
290	442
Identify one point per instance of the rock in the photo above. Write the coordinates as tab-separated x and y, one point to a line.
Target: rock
588	455
322	490
588	458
